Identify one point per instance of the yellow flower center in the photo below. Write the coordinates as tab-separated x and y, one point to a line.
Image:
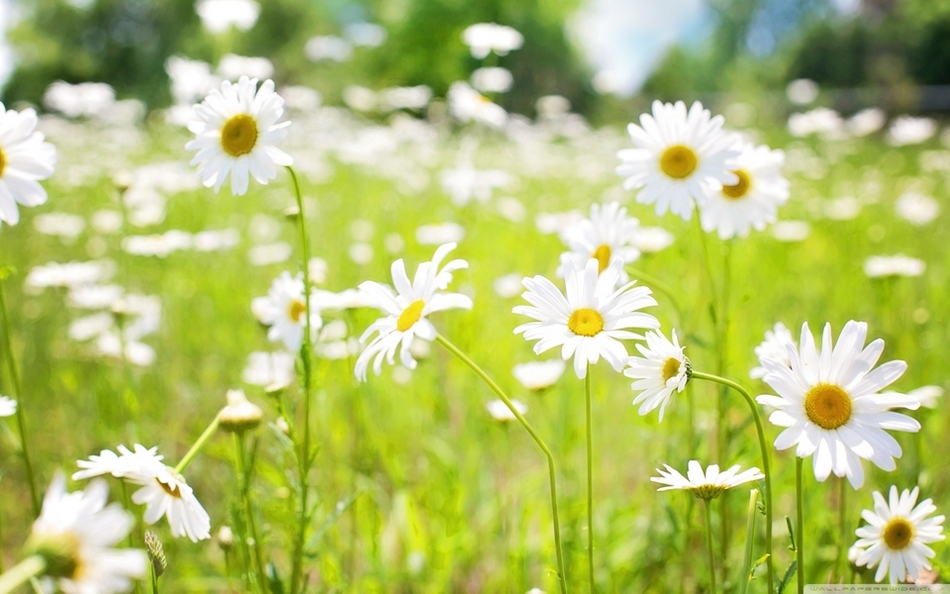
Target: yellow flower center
602	255
740	188
239	135
678	161
3	162
410	315
707	491
670	369
828	406
296	310
585	322
898	533
172	490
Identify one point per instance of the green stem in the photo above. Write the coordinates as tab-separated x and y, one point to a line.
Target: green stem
766	466
21	573
799	525
552	476
590	485
842	522
198	445
249	507
749	541
709	548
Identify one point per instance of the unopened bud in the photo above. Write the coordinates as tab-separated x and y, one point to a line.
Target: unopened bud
282	425
225	538
156	553
122	180
292	212
240	414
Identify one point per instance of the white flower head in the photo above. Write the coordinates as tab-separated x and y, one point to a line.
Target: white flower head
707	484
217	16
467	105
285	312
680	157
918	209
593	317
538	375
7	406
896	535
927	395
501	413
662	370
831	405
237	134
485	38
752	202
407	310
273	371
897	265
25	159
164	492
773	347
607	233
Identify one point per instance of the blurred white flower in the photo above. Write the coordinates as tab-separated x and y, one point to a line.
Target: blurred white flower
94	296
61	224
25	159
157	245
802	91
557	222
346	299
270	253
512	209
232	67
301	98
552	106
365	34
538	375
790	231
137	353
191	79
217	16
361	253
485	38
500	411
468	105
845	208
492	80
327	47
215	240
775	347
652	239
284	310
607	233
107	222
867	121
360	98
508	286
897	265
910	130
83	99
89	327
7	406
440	233
465	183
918	209
272	371
394	98
70	274
927	395
822	121
317	267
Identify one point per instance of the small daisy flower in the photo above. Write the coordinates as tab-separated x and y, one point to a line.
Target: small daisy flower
538	375
891	266
76	533
708	484
830	403
773	347
662	370
237	133
591	320
25	159
501	413
680	157
608	232
7	406
896	536
467	105
164	492
407	310
284	310
485	38
273	371
751	202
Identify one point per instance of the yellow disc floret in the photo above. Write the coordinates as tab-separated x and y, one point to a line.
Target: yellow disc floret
898	533
295	310
3	162
172	489
678	161
239	135
671	368
828	406
585	322
602	255
410	315
740	188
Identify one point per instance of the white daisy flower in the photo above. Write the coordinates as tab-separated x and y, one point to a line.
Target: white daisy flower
273	371
500	411
607	233
898	265
831	404
485	38
680	159
237	133
751	202
927	395
591	320
77	533
7	406
707	484
773	347
407	310
897	535
662	370
164	492
24	160
538	375
467	105
284	310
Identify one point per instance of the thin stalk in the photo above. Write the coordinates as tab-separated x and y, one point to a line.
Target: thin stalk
842	522
766	466
590	485
249	507
749	541
20	414
552	475
21	573
154	576
202	440
799	525
709	548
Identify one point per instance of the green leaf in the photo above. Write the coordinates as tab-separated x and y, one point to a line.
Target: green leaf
788	576
755	564
338	511
274	584
791	534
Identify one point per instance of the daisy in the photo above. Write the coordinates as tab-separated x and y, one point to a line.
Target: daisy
608	232
773	347
485	38
24	160
899	265
751	202
466	105
284	310
237	133
164	492
538	375
273	371
407	310
707	484
680	159
76	533
897	535
830	403
7	406
662	370
591	320
501	413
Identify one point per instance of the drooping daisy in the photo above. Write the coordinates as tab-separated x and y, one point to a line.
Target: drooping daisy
24	160
284	310
662	370
751	202
680	159
407	310
591	320
608	232
7	406
273	371
897	535
237	133
830	403
707	484
164	492
773	347
76	533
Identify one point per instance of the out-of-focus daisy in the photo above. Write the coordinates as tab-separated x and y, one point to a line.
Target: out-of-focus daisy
273	371
538	375
237	133
217	16
508	286
465	183
591	320
233	66
681	157
557	222
910	130
284	309
607	233
7	406
650	240
61	224
467	105
485	38
843	208
662	370
918	209
898	265
867	121
83	99
492	80
164	492
500	411
76	533
897	534
790	231
802	91
270	253
927	395
773	347
707	484
440	233
751	202
407	310
240	414
25	159
70	274
830	403
825	122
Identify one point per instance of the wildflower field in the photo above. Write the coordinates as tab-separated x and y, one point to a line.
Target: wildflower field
365	439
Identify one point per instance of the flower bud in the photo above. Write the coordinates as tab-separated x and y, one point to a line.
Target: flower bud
156	553
225	538
240	414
